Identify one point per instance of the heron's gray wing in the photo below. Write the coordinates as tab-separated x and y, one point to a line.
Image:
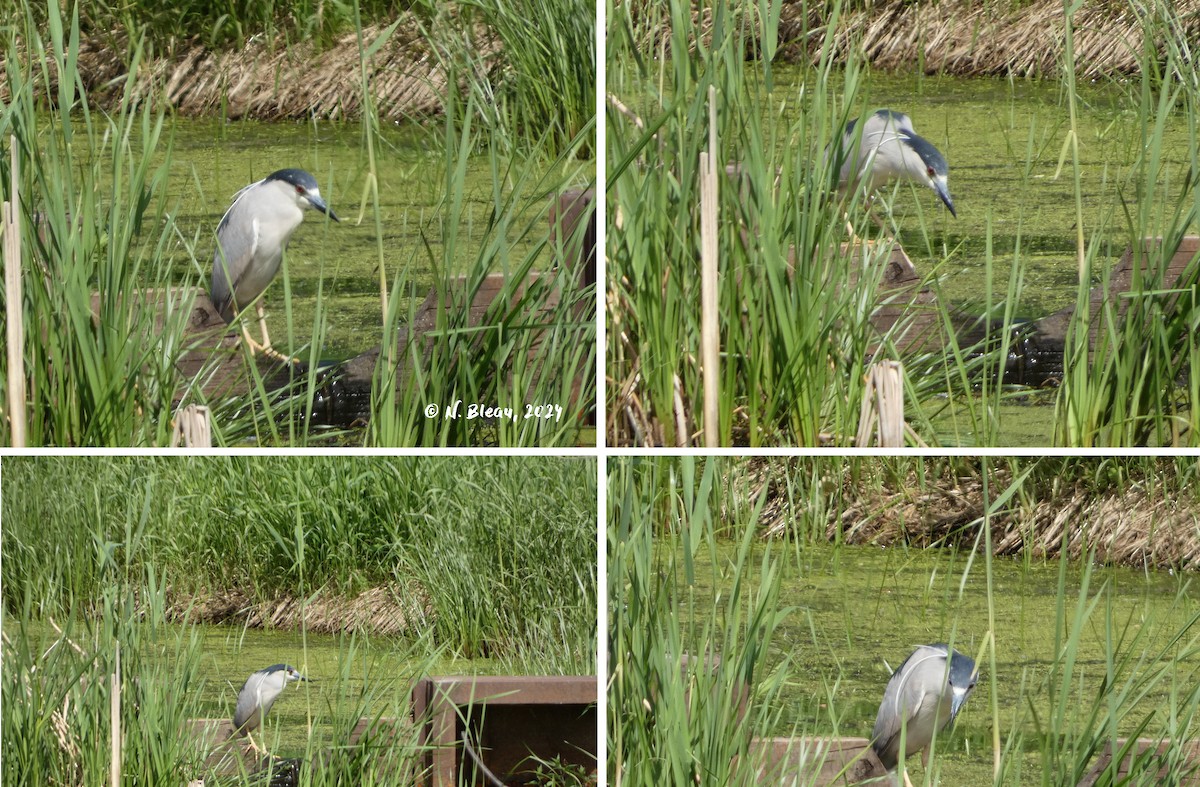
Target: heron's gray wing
903	698
233	203
881	127
236	242
885	736
245	717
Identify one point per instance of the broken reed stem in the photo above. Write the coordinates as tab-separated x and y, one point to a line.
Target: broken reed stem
709	333
10	214
883	405
193	428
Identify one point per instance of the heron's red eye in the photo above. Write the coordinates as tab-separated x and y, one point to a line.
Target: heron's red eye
300	189
930	171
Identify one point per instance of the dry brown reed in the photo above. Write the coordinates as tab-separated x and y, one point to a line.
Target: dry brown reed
386	609
971	38
265	81
1141	525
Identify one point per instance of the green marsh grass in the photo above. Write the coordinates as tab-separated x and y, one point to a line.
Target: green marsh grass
547	85
534	346
1127	389
795	350
473	539
90	219
1072	656
108	228
499	554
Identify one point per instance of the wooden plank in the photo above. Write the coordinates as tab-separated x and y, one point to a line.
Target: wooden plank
818	761
1189	752
515	717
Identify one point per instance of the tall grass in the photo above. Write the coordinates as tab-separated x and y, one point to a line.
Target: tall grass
796	309
93	219
500	553
1125	389
682	673
532	114
535	344
795	347
544	88
57	693
687	575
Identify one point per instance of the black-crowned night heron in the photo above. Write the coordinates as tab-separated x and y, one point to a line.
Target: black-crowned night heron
257	696
888	150
922	697
251	238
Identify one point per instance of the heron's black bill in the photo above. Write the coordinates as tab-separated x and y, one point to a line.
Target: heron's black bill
320	205
945	195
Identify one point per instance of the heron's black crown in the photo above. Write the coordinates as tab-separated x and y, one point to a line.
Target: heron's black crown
296	177
932	157
962	668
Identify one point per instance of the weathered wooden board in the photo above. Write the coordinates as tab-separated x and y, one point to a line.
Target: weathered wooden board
513	718
822	762
1189	753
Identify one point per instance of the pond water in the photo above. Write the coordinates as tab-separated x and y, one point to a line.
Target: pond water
1003	140
348	676
856	610
212	159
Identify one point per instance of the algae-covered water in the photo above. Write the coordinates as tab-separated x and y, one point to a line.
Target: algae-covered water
212	159
855	611
1014	193
348	677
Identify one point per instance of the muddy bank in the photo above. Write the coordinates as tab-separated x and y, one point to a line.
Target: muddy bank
976	39
391	609
1142	524
267	81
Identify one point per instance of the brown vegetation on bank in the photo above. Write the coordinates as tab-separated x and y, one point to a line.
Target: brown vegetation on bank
389	610
969	37
1142	525
986	38
267	81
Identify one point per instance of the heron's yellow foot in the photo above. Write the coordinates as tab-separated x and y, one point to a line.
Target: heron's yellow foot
258	750
264	348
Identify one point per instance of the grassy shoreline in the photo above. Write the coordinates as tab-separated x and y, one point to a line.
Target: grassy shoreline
426	535
801	319
1071	655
